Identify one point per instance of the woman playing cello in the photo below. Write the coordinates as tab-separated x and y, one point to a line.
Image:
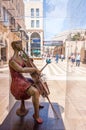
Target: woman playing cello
21	88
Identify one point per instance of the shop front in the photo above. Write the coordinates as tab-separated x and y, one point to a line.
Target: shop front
35	45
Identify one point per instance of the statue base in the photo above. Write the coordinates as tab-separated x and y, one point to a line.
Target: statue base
50	121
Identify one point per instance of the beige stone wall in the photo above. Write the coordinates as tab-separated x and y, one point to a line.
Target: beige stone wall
74	47
8	37
16	9
34	5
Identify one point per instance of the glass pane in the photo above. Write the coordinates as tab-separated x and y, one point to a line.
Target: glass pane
32	12
37	23
37	12
32	23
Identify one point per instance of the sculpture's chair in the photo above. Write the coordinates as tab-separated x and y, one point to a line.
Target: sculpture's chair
22	111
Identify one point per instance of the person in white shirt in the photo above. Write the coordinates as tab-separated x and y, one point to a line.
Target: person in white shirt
78	59
62	57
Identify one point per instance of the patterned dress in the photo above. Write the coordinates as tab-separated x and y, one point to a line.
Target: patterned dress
19	84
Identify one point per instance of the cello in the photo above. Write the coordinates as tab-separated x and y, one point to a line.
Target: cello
38	82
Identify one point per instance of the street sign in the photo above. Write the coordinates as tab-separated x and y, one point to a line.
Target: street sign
53	43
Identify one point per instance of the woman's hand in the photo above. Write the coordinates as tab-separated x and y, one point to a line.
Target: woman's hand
37	71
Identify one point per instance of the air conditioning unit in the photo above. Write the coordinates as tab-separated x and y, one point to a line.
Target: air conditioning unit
12	23
14	28
12	20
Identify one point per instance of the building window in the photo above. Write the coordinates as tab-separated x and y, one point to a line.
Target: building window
37	12
32	23
5	16
37	23
32	12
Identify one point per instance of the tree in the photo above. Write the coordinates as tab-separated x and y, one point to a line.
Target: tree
76	37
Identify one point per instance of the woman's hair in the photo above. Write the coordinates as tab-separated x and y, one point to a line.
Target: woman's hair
13	44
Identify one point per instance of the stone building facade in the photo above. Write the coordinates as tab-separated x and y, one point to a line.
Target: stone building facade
34	26
70	45
11	21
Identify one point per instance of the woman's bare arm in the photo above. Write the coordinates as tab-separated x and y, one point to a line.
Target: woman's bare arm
21	69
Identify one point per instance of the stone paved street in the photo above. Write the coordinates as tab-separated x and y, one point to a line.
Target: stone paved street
4	97
69	94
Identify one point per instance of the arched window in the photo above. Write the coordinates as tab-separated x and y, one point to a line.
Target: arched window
35	44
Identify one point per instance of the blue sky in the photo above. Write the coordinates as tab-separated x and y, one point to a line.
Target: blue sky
55	11
62	15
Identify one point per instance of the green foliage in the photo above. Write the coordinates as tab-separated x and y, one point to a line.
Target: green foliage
76	37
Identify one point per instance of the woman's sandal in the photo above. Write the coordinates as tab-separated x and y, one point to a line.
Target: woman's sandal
39	120
40	106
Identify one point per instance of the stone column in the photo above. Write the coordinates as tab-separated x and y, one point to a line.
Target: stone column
41	35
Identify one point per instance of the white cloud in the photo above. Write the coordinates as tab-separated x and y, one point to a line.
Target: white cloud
55	15
56	8
52	27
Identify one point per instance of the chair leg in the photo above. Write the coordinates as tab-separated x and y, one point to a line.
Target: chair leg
22	111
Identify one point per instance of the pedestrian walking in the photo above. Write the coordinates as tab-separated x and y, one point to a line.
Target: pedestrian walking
62	57
57	57
72	59
78	59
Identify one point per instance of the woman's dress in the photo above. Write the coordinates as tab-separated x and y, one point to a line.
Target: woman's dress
19	84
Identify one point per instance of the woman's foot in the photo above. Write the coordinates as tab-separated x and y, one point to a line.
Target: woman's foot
38	120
